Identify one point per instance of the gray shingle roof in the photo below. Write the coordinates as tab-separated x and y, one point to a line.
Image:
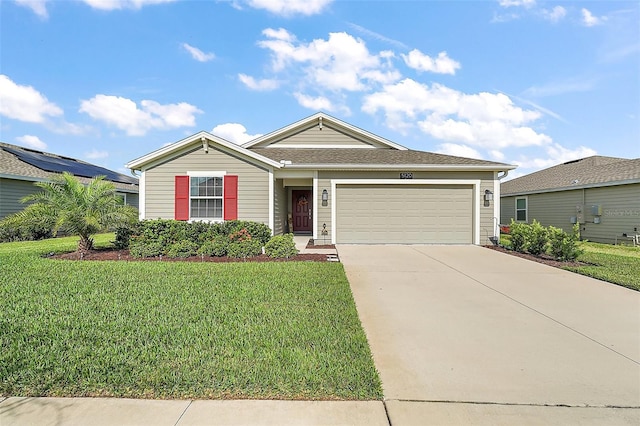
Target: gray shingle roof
11	166
375	157
589	171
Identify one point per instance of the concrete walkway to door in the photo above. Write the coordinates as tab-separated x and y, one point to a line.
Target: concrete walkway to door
464	334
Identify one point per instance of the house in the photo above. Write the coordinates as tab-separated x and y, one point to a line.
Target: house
602	194
21	167
324	178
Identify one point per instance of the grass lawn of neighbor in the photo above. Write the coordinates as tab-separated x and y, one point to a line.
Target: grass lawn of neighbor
282	330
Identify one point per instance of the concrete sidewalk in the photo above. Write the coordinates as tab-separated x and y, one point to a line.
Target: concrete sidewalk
135	412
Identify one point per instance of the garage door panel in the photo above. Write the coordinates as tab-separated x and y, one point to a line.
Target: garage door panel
404	214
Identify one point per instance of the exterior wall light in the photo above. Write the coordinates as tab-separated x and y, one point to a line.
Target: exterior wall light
325	197
488	195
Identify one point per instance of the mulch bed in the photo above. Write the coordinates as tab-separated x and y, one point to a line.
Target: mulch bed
547	260
112	254
311	245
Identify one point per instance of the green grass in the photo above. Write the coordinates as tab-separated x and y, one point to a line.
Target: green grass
616	264
178	330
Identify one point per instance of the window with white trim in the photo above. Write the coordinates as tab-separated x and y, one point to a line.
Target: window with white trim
205	197
521	209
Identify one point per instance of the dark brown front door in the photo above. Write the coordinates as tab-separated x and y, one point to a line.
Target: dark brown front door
302	208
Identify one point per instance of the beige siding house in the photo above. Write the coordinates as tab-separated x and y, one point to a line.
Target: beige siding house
327	179
21	167
602	194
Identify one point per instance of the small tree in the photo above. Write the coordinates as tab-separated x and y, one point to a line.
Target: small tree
79	209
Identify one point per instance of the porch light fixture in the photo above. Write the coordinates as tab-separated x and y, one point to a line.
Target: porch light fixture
488	195
325	195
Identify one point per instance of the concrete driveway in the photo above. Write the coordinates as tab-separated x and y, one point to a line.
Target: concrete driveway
464	334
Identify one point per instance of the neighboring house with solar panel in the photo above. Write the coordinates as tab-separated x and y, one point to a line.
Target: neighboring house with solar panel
20	167
600	193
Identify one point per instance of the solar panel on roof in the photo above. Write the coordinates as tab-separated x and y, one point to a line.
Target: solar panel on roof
62	164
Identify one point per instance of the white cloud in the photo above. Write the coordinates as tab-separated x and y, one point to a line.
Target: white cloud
458	150
377	36
589	20
517	3
259	85
554	15
94	154
341	62
39	7
31	141
319	103
556	154
496	155
124	114
123	4
443	64
290	7
233	132
25	103
485	119
578	84
198	54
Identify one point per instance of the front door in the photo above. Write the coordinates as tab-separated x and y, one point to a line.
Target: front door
302	208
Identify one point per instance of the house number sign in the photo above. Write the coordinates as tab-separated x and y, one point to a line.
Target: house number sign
406	175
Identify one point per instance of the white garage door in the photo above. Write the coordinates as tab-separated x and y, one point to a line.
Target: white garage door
404	214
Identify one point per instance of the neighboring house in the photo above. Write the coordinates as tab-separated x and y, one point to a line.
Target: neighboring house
21	167
600	193
327	179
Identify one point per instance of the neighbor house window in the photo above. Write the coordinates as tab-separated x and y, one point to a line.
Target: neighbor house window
206	197
521	209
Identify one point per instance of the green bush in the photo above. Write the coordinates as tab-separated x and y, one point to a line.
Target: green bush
537	238
218	246
244	249
15	228
519	236
140	248
281	246
182	249
124	232
563	246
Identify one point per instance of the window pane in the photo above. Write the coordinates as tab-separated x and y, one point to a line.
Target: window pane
521	203
521	215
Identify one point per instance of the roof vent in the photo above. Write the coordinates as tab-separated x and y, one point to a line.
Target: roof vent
574	161
575	182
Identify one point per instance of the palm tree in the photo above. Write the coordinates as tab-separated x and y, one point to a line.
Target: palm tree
76	208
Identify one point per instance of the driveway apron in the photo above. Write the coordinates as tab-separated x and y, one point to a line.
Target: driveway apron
471	325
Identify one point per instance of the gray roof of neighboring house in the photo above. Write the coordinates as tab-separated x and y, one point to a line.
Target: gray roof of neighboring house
328	157
586	172
11	166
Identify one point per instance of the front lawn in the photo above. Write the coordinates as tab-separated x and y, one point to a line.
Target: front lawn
616	264
178	330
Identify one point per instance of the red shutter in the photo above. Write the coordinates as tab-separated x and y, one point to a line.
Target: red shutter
230	197
181	211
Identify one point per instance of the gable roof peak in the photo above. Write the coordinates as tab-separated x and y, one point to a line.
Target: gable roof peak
321	119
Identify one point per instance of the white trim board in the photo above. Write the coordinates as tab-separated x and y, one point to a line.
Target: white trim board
475	202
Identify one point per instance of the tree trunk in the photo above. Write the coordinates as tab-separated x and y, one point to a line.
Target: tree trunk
85	244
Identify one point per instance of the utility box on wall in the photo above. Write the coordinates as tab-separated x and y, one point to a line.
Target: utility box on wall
596	210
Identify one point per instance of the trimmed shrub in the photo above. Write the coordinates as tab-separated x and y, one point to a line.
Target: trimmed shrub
244	249
139	248
124	232
182	249
15	228
519	236
563	246
281	246
537	238
216	247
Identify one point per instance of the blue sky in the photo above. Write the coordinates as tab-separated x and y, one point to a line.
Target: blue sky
524	82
